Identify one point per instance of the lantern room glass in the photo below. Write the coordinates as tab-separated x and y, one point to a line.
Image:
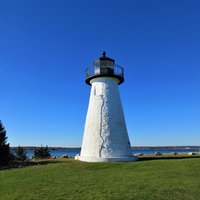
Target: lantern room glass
103	66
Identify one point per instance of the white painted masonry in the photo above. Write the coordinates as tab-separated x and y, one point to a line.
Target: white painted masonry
105	136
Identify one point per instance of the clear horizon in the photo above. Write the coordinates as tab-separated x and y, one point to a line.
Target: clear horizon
45	47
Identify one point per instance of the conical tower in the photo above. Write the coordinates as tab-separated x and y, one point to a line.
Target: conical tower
105	135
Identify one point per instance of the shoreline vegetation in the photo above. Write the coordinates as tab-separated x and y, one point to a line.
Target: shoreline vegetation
19	161
133	147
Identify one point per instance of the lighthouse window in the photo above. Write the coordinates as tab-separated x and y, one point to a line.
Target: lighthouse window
103	63
110	64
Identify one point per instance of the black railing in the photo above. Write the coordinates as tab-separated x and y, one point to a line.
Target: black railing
97	70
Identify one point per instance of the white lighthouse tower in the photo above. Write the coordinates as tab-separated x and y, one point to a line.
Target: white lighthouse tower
105	136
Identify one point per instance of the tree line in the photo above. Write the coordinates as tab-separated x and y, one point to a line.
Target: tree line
7	155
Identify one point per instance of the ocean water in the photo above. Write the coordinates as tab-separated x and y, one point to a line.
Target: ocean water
73	152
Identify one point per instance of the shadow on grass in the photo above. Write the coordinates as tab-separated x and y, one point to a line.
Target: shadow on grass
146	158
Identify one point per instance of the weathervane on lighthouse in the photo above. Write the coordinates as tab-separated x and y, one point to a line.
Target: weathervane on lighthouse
105	136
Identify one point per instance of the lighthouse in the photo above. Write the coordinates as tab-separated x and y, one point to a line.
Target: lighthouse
105	136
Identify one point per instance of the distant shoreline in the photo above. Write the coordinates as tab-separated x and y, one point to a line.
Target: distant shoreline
133	147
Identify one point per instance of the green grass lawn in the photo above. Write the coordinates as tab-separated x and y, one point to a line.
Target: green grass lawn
170	179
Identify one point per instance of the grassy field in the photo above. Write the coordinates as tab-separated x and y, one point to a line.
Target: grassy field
170	179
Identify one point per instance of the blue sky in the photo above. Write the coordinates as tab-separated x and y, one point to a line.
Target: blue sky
45	47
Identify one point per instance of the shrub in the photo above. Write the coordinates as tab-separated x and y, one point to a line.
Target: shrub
21	153
42	152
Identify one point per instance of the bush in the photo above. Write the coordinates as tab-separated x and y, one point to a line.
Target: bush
42	152
5	154
21	153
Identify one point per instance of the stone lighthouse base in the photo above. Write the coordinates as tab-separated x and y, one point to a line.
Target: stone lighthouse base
113	159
